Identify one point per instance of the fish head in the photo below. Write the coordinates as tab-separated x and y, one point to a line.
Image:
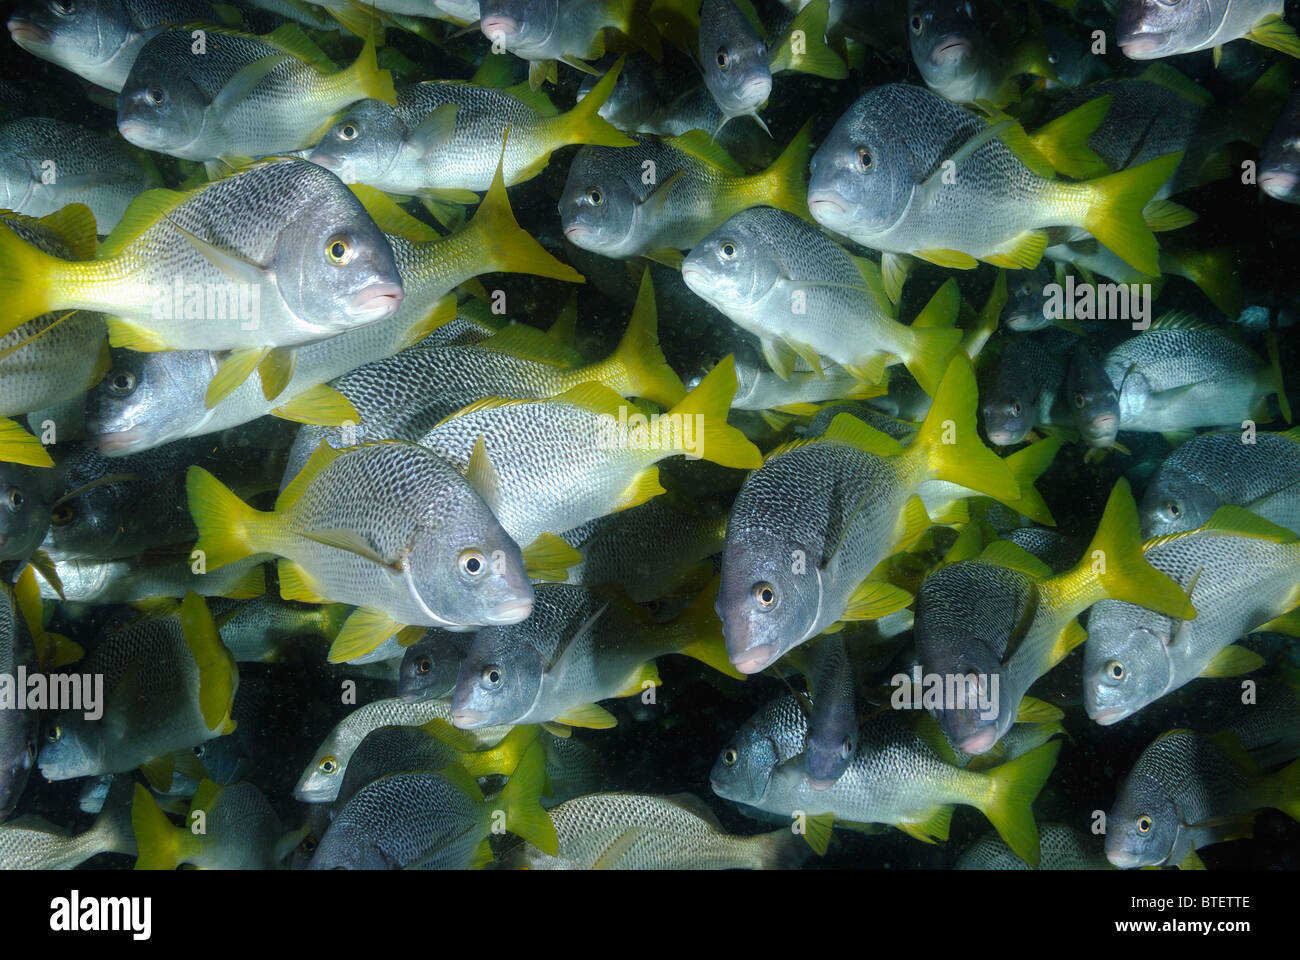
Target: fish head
348	845
160	108
430	666
333	266
85	525
861	180
1142	827
598	208
1279	159
76	34
1093	399
18	750
946	39
1151	29
362	144
1024	308
1007	414
635	96
24	510
519	24
464	567
733	59
498	682
972	678
746	763
147	399
321	780
765	606
732	268
828	753
1175	503
1126	662
72	748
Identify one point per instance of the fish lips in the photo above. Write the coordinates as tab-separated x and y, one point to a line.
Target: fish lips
950	50
378	301
1279	184
1143	45
27	34
831	209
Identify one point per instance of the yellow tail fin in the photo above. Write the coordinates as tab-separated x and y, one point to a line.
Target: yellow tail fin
1114	214
521	800
157	839
1012	789
1284	790
703	414
584	124
948	444
784	186
371	81
935	338
228	527
500	244
26	275
19	446
1064	141
1027	465
642	369
1216	272
218	672
701	636
1115	565
803	48
504	758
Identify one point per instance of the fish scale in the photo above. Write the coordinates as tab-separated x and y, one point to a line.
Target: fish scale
18	728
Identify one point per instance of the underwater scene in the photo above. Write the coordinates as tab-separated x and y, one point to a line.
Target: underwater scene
649	434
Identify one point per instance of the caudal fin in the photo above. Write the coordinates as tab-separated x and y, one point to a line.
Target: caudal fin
1215	271
157	840
1027	465
522	801
948	442
370	79
227	526
19	446
935	337
1012	789
784	185
804	49
26	274
714	439
584	124
640	366
1115	217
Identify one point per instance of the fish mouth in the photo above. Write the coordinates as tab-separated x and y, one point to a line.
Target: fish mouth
693	275
376	302
22	30
465	719
1143	46
575	230
1108	716
827	205
512	611
499	25
1277	184
114	444
981	742
756	90
136	132
953	48
1002	438
819	784
1125	861
754	659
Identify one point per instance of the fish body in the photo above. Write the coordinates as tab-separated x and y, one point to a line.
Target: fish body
1148	29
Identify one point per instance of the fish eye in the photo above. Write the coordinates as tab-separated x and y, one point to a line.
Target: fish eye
31	749
1115	670
64	8
339	250
864	158
846	748
723	58
472	562
491	676
1052	58
156	95
728	250
14	499
423	665
1015	408
916	25
764	595
328	765
348	131
61	515
1144	824
1174	509
121	382
1078	400
54	734
595	196
729	756
308	844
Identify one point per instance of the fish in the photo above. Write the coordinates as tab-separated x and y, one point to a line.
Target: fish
240	830
832	738
1183	373
959	62
33	843
435	820
996	624
444	138
783	280
1187	790
264	628
630	831
1279	158
799	552
546	466
1091	398
18	728
99	40
24	510
168	685
1062	848
284	232
430	665
46	164
666	195
1254	470
323	776
1148	30
147	578
148	399
1023	391
879	179
895	778
578	647
423	549
1239	570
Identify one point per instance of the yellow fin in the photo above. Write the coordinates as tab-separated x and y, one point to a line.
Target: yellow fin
1276	34
814	56
1233	661
549	558
588	715
932	828
19	446
1005	553
521	800
362	632
321	405
1024	252
227	526
1027	465
584	124
157	840
873	599
784	186
321	457
636	684
218	673
644	486
234	370
953	259
1162	216
1064	141
1033	710
132	336
709	403
817	831
74	224
1012	789
276	370
1115	218
390	217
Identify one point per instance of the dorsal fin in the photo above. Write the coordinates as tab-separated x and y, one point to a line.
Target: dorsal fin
322	457
698	144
